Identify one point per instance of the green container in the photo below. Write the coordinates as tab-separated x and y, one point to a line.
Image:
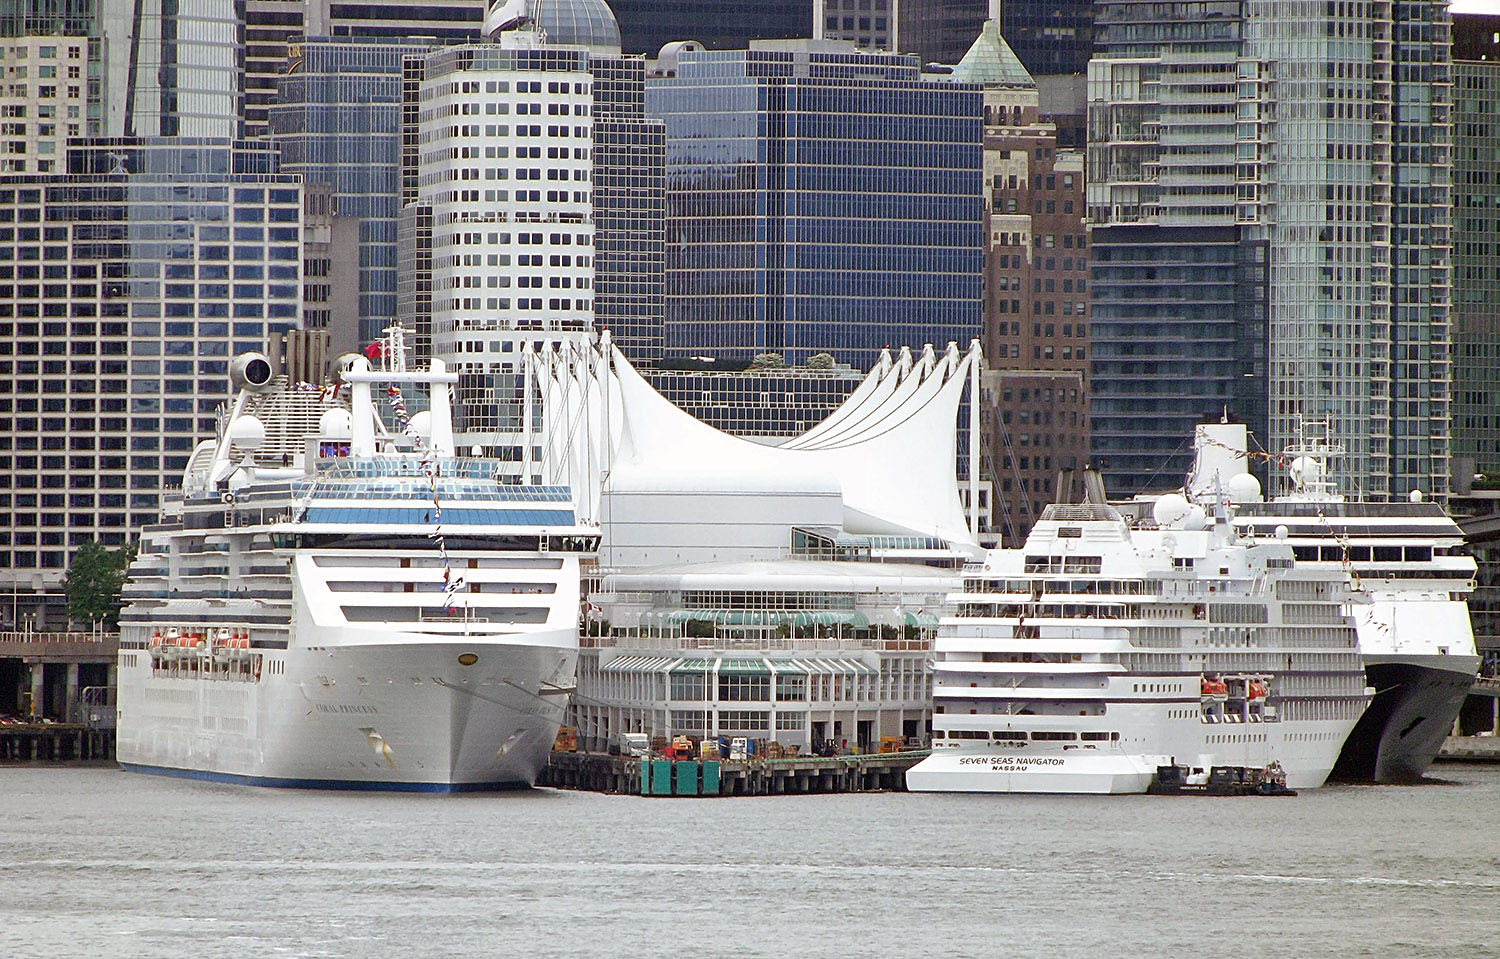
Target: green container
661	777
645	777
711	777
686	772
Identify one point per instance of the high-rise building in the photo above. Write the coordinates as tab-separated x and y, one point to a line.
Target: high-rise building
1270	187
1476	246
1034	409
629	180
47	96
337	123
1051	37
934	31
505	140
175	68
648	25
819	199
126	287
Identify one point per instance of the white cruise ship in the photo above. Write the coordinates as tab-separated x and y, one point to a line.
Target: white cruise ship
1100	651
1415	636
334	604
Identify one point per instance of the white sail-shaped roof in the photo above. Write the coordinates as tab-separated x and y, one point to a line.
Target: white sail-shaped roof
890	449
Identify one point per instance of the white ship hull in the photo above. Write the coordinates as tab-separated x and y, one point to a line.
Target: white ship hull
1306	752
387	713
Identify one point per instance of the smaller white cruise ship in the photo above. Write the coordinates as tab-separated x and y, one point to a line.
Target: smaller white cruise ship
1101	651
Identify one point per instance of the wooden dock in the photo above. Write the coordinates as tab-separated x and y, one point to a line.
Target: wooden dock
55	742
860	772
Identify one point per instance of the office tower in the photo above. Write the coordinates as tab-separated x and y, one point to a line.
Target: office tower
338	124
174	68
1271	192
934	31
629	191
1476	249
648	25
498	226
126	287
1051	37
819	199
46	97
1034	412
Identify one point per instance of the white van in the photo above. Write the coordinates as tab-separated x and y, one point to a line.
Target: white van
636	744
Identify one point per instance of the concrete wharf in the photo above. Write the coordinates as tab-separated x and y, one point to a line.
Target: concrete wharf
859	772
57	695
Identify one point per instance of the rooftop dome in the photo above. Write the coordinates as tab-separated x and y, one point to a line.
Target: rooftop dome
584	23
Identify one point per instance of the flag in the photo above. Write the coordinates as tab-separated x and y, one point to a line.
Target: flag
373	351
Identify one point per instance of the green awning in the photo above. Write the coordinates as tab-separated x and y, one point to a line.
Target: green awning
922	618
691	666
743	666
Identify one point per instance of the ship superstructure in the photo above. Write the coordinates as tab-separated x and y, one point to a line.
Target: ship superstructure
336	603
1415	635
1100	651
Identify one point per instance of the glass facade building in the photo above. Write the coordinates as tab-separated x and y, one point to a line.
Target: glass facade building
818	199
648	25
338	124
1476	246
1266	162
1052	37
630	152
126	286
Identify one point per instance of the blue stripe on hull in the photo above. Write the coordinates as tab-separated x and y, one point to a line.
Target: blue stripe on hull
346	784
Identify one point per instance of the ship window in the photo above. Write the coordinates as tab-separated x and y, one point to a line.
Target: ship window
1009	736
1054	737
1387	554
1070	532
1418	554
1094	737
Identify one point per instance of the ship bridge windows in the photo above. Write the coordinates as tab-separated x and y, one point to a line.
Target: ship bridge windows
1085	565
1053	737
414	614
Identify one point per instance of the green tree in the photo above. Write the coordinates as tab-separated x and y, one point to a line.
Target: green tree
820	361
94	580
768	361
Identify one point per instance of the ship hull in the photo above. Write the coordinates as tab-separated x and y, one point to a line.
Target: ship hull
382	714
1306	752
1416	701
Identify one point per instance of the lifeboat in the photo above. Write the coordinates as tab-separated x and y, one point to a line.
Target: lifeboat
156	648
1255	691
169	644
239	646
221	648
1215	689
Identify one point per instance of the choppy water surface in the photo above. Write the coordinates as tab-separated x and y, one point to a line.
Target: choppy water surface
96	862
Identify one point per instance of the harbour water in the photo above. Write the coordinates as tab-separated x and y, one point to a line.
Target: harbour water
99	863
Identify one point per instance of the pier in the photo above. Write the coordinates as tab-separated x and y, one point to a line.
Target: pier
57	695
859	772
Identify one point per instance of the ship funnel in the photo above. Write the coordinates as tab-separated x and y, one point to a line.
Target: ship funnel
251	371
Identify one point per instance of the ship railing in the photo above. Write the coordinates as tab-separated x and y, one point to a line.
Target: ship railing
59	637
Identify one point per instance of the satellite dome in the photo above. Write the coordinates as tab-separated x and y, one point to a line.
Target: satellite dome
420	424
1196	518
1306	470
335	423
584	23
1170	509
1243	488
247	432
1416	496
